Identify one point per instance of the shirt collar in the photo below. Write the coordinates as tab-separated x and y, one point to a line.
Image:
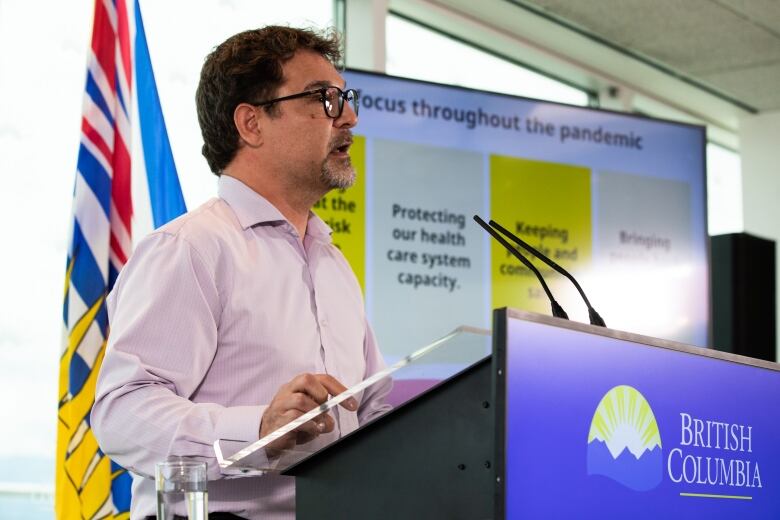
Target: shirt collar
252	209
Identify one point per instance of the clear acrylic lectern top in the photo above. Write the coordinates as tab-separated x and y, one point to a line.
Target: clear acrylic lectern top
410	376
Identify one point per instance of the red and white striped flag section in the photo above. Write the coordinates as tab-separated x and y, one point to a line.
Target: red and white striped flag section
88	484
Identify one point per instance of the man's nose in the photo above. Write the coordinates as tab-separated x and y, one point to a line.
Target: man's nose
348	117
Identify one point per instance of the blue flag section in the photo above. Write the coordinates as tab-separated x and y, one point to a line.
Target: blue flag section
88	484
164	189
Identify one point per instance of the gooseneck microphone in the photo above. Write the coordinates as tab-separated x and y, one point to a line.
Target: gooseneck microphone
557	310
595	317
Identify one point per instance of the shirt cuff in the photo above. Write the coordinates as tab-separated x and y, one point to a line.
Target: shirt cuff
240	423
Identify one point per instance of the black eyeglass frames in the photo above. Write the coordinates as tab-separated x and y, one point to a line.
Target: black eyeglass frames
332	100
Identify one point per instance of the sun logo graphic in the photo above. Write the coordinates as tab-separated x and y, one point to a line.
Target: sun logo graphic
624	443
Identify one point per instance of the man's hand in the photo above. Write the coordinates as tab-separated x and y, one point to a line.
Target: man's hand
304	393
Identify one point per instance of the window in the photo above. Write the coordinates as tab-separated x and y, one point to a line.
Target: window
414	51
724	191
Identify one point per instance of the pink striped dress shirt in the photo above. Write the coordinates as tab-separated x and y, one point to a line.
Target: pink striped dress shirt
211	315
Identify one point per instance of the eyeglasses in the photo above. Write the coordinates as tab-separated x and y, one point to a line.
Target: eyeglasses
332	100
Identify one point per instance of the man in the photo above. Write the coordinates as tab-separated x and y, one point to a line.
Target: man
240	316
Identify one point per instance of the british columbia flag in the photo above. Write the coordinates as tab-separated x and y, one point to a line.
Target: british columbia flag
124	150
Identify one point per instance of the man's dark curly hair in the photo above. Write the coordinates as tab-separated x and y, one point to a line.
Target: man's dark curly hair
247	68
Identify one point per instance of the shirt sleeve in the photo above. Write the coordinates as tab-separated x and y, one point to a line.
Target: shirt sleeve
372	404
164	314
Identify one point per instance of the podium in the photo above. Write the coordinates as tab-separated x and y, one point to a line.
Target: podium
559	420
431	458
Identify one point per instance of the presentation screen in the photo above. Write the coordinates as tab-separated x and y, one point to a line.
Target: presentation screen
616	199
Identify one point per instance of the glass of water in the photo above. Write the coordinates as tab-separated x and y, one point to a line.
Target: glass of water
181	490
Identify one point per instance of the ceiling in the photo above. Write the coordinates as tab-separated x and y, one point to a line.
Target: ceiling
729	47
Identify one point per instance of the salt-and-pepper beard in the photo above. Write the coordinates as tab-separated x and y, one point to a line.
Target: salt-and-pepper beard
344	177
338	180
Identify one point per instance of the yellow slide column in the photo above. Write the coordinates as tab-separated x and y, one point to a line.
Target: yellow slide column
547	205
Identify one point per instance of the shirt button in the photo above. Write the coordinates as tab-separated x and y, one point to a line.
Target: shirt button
324	322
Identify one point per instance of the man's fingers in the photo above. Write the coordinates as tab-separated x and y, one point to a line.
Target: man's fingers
285	442
322	423
287	417
299	401
304	403
304	393
334	387
319	387
328	424
309	384
310	429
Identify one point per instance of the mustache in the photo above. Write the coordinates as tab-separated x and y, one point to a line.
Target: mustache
343	139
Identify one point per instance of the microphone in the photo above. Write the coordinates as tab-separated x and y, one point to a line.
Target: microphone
557	310
595	317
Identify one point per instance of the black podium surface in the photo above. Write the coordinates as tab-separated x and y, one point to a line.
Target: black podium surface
430	458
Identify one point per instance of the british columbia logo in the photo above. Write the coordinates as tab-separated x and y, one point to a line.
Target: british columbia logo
624	443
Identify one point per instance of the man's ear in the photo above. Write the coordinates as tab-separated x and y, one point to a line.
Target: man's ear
249	125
